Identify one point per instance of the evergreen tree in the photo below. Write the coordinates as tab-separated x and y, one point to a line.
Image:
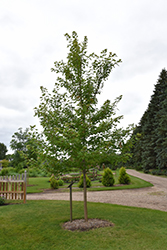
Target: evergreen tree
161	126
151	148
135	150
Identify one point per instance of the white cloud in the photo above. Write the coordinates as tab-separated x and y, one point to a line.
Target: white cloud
32	39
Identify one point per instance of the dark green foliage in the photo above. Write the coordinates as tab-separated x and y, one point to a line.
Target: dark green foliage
150	148
19	140
36	172
32	172
3	150
20	166
88	182
4	171
2	200
8	171
17	161
123	176
108	178
25	149
54	183
159	172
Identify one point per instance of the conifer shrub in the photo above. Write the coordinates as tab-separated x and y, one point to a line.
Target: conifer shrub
54	183
123	176
61	182
81	184
108	178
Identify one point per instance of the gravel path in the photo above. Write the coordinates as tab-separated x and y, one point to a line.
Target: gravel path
152	197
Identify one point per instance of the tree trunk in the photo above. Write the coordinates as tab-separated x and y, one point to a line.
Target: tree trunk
85	196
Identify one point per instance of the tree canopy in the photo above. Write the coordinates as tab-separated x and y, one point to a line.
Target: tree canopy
19	140
24	147
3	151
77	132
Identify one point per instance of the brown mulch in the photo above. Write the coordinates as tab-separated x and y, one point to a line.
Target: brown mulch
82	225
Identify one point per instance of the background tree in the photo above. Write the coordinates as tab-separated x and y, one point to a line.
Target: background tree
24	148
161	123
3	151
135	151
4	163
151	149
76	132
19	140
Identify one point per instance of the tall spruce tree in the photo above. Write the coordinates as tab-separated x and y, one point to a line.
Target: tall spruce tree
151	148
135	150
161	120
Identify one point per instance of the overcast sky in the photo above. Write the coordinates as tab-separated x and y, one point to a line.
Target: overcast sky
32	38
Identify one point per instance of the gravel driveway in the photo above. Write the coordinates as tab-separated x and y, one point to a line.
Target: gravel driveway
152	197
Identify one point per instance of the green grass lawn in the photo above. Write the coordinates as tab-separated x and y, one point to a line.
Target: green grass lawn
38	225
38	184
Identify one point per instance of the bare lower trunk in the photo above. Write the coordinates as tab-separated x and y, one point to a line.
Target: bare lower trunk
85	196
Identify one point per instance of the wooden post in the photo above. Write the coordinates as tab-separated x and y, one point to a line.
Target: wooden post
9	188
25	185
70	187
12	184
71	203
4	189
85	196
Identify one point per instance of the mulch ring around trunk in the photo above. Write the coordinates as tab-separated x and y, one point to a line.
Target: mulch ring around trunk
82	225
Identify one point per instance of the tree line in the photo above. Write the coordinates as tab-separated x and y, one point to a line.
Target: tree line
150	136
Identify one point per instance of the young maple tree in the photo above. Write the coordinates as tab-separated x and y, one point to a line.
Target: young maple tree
78	133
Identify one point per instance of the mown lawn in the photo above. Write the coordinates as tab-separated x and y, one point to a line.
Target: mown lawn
38	225
39	184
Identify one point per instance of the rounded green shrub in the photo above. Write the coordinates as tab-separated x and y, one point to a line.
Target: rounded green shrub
61	182
54	183
123	176
108	178
19	167
88	182
4	171
8	171
5	163
22	171
52	177
32	172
